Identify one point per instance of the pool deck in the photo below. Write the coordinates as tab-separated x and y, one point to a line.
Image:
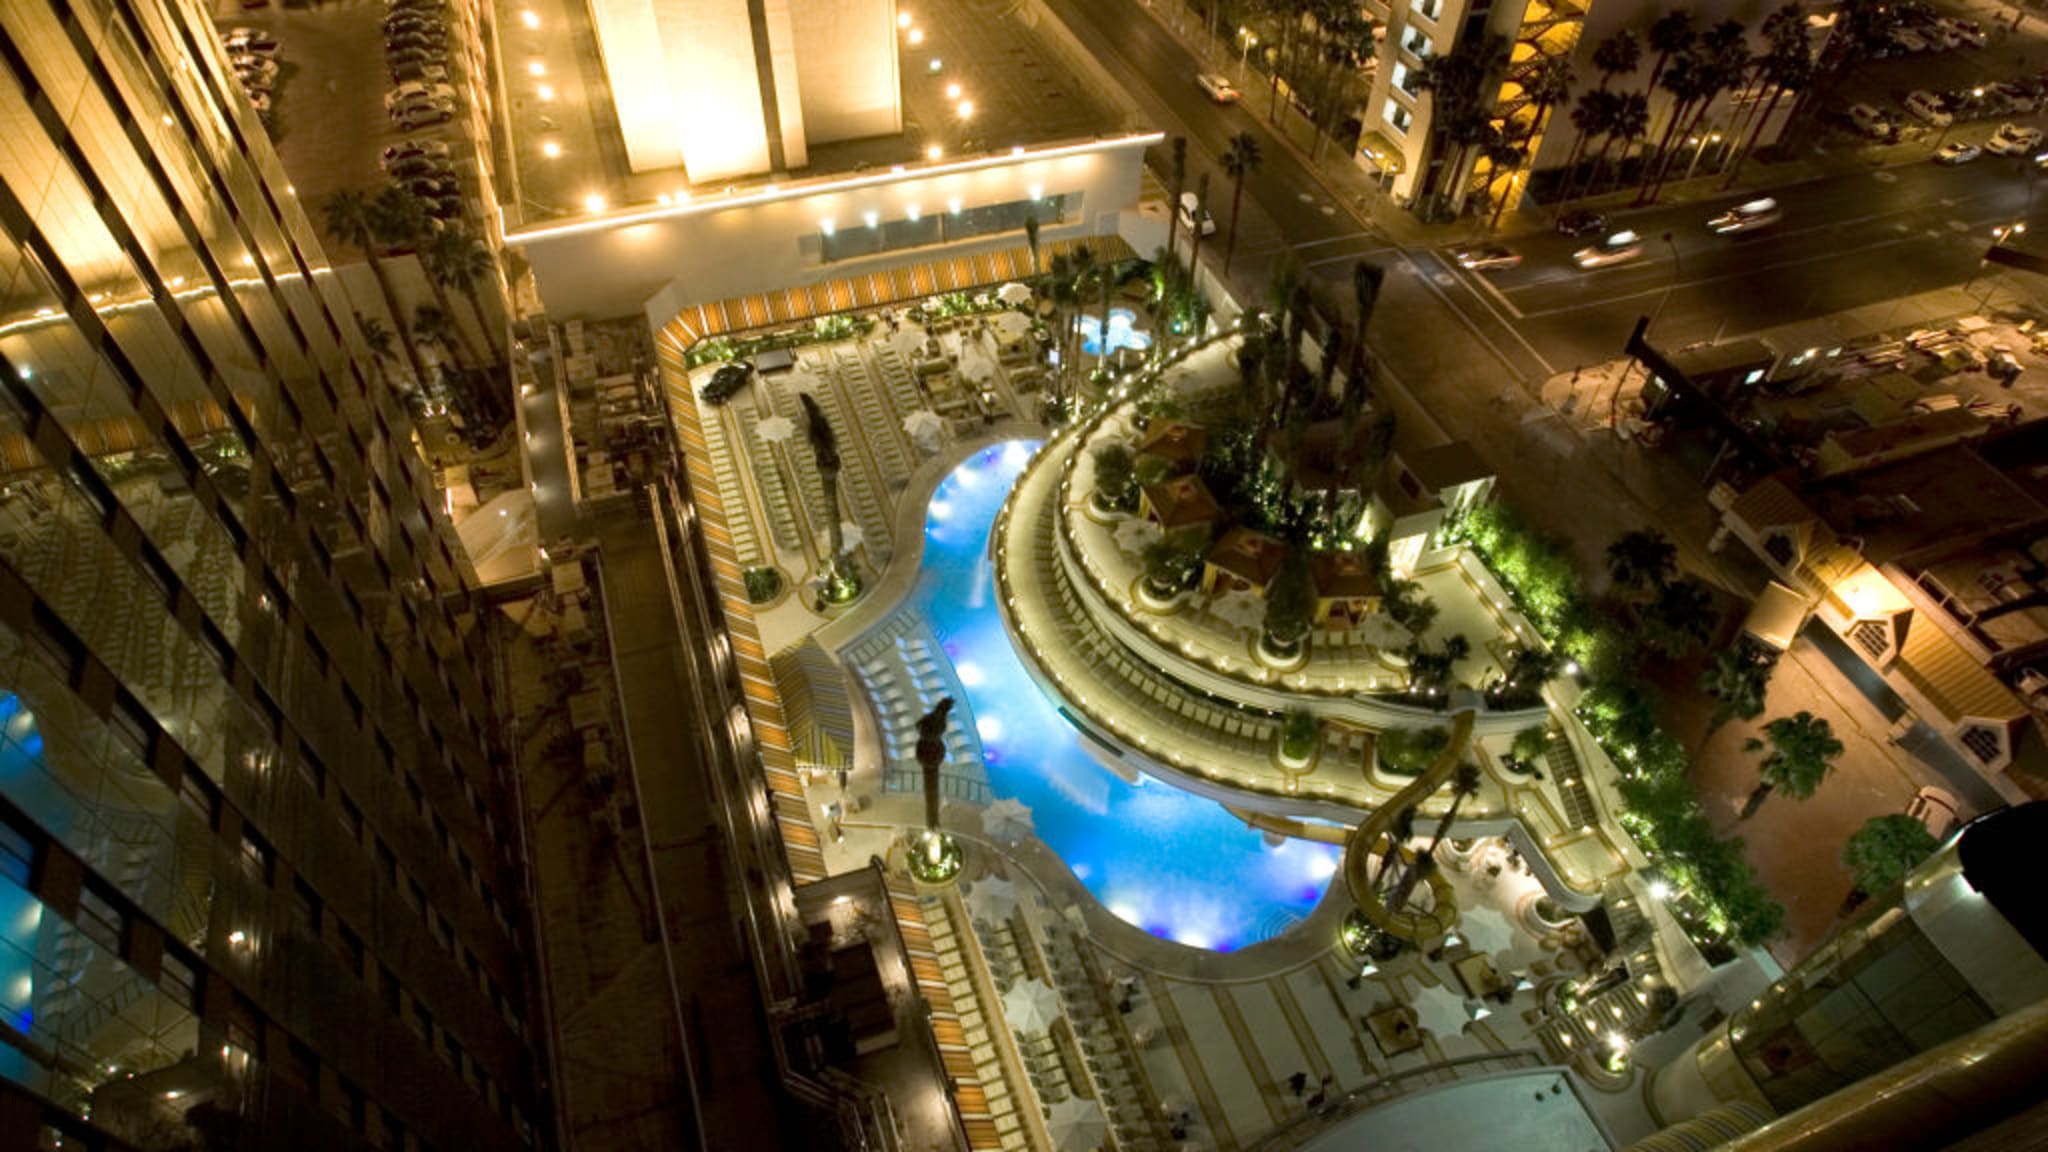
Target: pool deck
1214	1036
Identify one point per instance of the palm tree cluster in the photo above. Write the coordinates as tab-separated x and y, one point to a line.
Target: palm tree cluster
1693	67
1674	615
390	222
1318	48
1799	750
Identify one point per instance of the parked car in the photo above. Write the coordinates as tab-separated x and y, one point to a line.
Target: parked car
727	381
1747	217
1191	210
1581	222
262	66
432	187
405	92
1957	152
2014	140
1909	40
2018	97
420	147
1486	257
1620	248
249	40
415	117
1967	31
417	165
1218	87
419	72
1868	120
1927	106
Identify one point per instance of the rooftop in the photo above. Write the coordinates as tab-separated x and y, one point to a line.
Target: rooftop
1929	500
569	156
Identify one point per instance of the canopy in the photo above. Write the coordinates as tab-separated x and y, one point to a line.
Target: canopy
1014	294
1007	820
1031	1006
992	899
1076	1125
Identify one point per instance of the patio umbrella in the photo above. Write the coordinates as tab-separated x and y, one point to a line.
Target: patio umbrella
1007	820
1076	1125
1485	929
924	424
1136	534
776	429
1014	294
1441	1011
992	899
1242	607
1031	1006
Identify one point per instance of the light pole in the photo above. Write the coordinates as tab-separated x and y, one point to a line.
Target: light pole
1677	269
1709	138
1246	38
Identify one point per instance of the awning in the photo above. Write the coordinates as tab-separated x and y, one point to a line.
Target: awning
1776	616
1381	153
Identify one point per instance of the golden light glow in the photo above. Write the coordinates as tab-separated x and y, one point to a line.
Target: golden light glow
550	149
916	36
903	19
934	152
967	109
952	91
536	68
593	203
530	18
545	92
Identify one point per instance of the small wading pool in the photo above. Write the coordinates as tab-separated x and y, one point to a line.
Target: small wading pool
1170	862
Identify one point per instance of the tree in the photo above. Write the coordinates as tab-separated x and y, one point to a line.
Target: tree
1630	125
1031	237
1172	562
1787	66
1879	854
1684	79
1240	160
456	259
1177	180
1530	745
1642	559
1366	279
1116	486
1504	158
1681	618
1737	680
349	216
1617	55
1591	116
1801	752
1670	33
1457	83
1290	604
438	328
1722	60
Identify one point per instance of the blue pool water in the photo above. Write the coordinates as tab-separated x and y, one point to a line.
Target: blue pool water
1172	863
1121	332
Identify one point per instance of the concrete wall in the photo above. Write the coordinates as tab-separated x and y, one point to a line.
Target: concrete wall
684	83
717	249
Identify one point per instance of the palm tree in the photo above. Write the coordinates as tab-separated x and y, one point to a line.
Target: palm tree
1723	61
1201	212
1684	80
1456	83
437	327
1630	125
1671	33
1366	278
1591	116
1504	157
349	216
1737	679
1681	618
1802	751
458	260
1177	180
1879	854
1642	558
1787	66
1240	160
1031	238
1082	268
825	451
1617	55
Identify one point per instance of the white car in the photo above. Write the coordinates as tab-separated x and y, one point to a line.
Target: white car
1218	87
415	91
1909	40
1869	120
1927	106
2014	140
1619	248
1747	217
1957	153
1486	257
1968	31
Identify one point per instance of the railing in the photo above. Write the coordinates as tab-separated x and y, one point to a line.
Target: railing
1297	1131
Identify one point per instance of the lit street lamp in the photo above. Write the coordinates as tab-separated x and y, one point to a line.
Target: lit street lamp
1246	38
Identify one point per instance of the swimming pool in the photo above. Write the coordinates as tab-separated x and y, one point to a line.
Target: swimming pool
1122	332
1170	862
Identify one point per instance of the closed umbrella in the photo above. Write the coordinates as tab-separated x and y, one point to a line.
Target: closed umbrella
1006	820
924	424
1031	1006
1076	1125
776	429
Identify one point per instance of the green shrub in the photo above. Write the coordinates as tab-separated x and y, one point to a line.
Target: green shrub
1298	734
763	584
1407	751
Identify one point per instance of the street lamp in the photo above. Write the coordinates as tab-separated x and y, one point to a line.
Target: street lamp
1246	38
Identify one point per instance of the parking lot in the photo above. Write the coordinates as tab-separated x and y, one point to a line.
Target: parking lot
328	119
2008	56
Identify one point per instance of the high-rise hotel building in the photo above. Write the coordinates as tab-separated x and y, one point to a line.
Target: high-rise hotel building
258	885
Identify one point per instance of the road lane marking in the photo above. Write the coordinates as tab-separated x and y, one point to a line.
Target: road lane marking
1429	282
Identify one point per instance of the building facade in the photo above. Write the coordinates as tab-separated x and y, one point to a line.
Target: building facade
257	879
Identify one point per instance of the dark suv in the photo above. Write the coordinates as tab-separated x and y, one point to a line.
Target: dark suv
1581	223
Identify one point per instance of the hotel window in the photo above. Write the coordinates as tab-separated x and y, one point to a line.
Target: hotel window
1416	42
1407	79
1983	743
99	920
17	855
1397	117
1428	9
256	857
